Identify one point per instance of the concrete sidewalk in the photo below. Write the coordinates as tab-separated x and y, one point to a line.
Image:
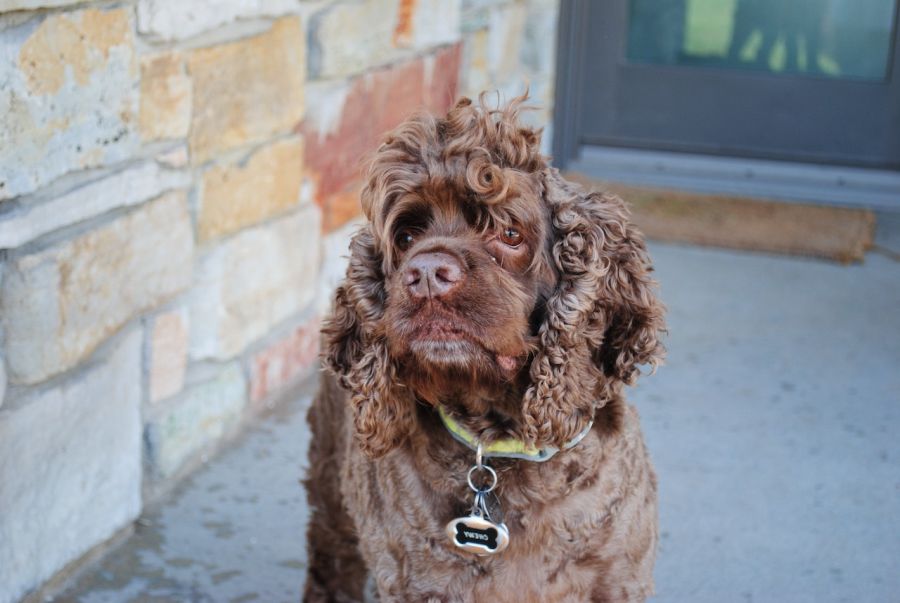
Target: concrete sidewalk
773	427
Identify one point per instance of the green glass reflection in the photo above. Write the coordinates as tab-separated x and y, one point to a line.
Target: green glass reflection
824	38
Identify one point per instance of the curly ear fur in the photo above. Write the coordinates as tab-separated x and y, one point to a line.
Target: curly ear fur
356	351
602	321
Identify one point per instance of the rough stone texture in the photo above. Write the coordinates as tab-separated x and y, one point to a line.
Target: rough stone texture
251	282
58	304
510	47
176	157
285	361
167	347
165	97
70	469
476	74
68	97
239	194
377	40
177	429
131	186
10	5
335	257
179	19
346	122
246	91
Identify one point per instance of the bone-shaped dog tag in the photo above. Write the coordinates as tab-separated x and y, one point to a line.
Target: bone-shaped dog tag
478	535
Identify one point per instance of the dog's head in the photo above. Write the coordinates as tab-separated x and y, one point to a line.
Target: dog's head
484	279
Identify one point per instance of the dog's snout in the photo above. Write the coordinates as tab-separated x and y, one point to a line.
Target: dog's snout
433	275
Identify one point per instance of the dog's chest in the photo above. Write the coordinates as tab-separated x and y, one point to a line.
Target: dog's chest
555	521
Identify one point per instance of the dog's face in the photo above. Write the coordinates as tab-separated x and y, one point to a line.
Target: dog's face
484	279
465	277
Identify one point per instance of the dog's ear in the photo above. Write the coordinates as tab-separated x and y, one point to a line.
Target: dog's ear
356	351
600	323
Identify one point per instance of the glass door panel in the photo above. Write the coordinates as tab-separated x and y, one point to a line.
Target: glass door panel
845	39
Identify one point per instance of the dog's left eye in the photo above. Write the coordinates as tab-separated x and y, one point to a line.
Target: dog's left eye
511	237
405	239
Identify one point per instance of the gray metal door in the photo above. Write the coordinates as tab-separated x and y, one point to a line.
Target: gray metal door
799	80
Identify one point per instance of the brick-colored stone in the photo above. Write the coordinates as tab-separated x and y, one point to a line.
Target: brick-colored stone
131	186
58	304
70	468
282	363
443	81
179	428
347	123
180	19
167	351
239	194
253	281
381	32
246	91
68	97
165	97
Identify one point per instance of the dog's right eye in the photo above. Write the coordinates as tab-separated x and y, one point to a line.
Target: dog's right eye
405	239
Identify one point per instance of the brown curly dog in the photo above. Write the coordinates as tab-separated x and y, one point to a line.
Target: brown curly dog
484	292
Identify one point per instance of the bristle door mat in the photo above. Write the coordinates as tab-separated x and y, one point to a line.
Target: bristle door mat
835	233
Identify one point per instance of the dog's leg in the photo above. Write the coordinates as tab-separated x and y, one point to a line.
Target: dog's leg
336	572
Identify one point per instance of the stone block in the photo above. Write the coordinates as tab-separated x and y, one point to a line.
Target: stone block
177	19
539	46
443	78
507	32
476	74
335	257
11	5
167	347
58	304
347	120
282	363
382	32
435	23
240	194
68	97
247	91
253	281
177	429
165	97
70	468
131	186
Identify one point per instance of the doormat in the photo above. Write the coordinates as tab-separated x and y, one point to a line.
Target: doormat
836	233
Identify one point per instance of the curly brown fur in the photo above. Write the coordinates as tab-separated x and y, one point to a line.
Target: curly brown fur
530	333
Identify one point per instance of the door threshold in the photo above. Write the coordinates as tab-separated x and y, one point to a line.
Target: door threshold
755	178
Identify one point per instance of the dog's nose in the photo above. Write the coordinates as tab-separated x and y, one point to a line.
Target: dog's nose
432	275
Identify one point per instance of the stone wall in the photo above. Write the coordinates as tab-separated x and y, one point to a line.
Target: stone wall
178	182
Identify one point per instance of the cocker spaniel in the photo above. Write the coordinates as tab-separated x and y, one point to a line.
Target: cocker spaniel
471	441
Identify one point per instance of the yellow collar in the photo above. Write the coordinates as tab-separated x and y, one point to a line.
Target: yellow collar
507	447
